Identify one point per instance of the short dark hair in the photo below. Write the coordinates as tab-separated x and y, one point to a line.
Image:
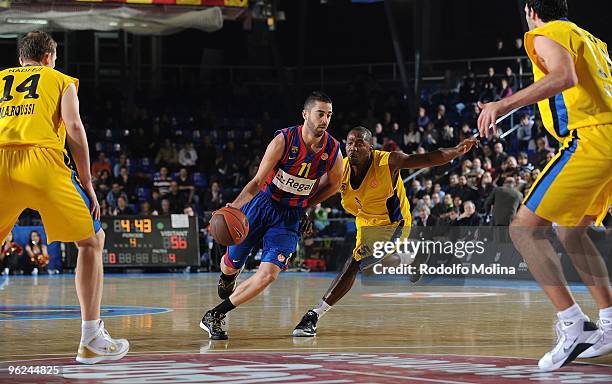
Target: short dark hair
316	96
367	134
35	45
549	10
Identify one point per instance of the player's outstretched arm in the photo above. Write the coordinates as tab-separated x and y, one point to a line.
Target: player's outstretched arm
329	185
77	142
556	62
271	157
400	160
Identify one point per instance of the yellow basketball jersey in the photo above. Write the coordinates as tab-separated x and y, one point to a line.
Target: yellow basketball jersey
379	200
588	103
30	106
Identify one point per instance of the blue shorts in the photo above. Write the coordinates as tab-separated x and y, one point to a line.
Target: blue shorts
278	226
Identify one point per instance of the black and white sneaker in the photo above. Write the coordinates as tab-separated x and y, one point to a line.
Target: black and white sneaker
573	338
307	326
226	288
419	259
212	323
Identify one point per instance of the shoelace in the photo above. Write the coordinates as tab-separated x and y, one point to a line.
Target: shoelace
217	322
560	337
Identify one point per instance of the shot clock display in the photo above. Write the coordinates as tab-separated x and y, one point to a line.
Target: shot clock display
152	241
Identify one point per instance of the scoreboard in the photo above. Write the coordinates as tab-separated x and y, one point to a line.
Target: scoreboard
151	241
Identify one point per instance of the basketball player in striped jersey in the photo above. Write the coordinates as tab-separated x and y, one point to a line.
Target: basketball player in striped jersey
301	167
373	191
573	89
39	112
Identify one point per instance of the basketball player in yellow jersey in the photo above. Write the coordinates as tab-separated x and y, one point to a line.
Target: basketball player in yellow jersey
373	191
39	110
573	88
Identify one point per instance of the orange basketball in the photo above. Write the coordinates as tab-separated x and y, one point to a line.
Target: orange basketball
229	226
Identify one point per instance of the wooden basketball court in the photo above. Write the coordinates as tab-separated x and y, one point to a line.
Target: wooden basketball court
474	325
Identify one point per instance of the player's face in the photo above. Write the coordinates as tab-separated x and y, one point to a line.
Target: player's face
357	149
317	119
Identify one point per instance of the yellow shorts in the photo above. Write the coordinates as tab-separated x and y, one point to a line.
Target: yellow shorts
578	180
38	178
368	236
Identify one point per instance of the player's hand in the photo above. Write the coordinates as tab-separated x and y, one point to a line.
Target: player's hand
93	200
231	205
489	112
464	147
307	223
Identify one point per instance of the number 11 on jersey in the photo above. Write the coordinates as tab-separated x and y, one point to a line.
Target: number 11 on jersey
304	170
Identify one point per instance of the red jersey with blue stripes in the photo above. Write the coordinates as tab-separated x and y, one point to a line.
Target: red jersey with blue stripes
296	176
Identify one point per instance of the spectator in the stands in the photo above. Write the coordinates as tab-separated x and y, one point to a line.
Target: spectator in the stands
440	119
475	171
186	185
469	217
396	134
146	209
523	132
438	206
162	181
213	199
378	133
505	90
103	184
485	187
488	93
511	79
113	195
122	207
165	209
387	122
176	198
156	200
123	162
414	190
465	191
430	138
425	219
523	161
128	184
422	119
104	208
504	202
490	78
207	155
101	164
166	155
412	139
448	136
187	156
539	157
453	185
389	145
499	156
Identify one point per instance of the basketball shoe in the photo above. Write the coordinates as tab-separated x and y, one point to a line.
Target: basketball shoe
604	345
307	326
573	338
212	323
101	347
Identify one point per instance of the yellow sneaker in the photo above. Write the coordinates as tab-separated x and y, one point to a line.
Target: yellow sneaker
102	347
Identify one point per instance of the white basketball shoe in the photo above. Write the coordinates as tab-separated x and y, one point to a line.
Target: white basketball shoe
604	345
101	347
573	338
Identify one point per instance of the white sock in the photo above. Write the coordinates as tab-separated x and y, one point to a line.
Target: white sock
89	328
321	308
605	315
573	313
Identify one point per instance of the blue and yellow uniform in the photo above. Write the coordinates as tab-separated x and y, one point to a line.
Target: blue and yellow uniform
274	214
578	181
33	170
379	204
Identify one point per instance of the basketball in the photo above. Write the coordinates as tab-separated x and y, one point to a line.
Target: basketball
229	226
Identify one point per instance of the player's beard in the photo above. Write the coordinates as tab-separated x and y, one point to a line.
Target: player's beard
316	131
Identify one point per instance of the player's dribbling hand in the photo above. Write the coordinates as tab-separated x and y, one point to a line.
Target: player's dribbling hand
95	206
489	113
